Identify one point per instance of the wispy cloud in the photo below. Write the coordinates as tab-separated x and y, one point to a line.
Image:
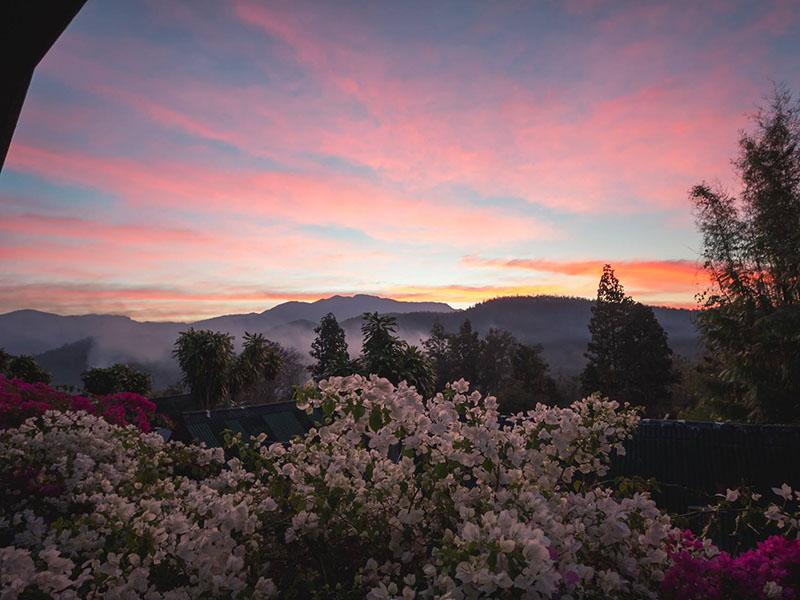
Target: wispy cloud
310	148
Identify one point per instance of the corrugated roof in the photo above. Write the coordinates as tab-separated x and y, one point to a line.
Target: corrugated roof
280	421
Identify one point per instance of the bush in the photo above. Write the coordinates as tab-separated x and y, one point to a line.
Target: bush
392	496
772	570
20	400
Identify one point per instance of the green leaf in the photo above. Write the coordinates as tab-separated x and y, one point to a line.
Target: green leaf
375	419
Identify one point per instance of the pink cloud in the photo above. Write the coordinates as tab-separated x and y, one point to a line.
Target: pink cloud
648	278
627	151
300	198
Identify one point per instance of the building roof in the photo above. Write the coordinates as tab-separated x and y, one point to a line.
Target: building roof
281	421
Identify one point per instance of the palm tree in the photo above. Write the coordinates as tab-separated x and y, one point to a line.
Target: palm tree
206	358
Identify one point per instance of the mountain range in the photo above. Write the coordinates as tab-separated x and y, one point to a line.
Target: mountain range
67	345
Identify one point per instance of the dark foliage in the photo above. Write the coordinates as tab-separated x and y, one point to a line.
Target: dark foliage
329	350
629	359
116	378
212	371
383	353
498	364
24	368
751	321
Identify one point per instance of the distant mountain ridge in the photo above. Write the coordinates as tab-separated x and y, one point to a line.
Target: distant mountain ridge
68	344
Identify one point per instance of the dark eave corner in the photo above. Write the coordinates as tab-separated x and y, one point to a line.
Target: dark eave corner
28	29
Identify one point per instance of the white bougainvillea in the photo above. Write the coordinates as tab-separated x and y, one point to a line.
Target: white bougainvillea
393	496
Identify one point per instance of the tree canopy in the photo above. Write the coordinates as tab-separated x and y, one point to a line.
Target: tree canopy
751	250
383	353
23	367
116	378
628	358
212	370
329	350
498	364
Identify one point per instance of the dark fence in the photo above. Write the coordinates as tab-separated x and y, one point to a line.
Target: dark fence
694	460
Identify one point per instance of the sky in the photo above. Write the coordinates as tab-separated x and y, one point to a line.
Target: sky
184	159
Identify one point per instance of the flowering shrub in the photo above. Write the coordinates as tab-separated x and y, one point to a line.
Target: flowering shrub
392	497
20	400
772	570
752	513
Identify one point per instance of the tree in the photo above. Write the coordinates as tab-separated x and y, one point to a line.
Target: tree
437	349
5	358
466	349
329	349
629	359
381	348
260	359
292	372
604	370
384	354
206	358
26	369
496	361
116	378
529	382
416	369
751	250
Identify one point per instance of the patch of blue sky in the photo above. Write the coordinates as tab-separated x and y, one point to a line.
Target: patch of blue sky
24	192
342	165
657	235
336	232
504	203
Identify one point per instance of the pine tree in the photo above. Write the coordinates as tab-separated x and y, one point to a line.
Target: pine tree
629	359
496	362
329	349
604	370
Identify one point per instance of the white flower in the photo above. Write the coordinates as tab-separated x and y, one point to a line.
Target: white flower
784	491
773	590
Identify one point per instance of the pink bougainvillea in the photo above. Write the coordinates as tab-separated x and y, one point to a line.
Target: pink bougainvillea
20	400
771	570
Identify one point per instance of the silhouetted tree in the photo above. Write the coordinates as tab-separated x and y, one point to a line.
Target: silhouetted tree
437	349
496	363
604	370
465	352
751	321
26	368
329	349
206	358
381	347
529	382
292	372
416	369
629	359
260	359
116	378
499	365
383	353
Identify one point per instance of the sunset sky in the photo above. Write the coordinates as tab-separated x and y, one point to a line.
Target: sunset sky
177	160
